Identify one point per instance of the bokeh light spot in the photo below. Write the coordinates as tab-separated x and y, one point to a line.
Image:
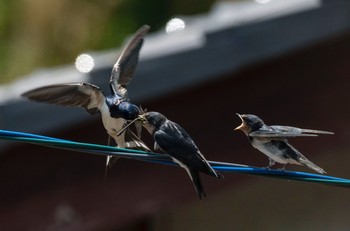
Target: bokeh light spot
262	1
175	24
84	63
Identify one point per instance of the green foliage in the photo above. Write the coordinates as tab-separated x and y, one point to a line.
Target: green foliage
37	33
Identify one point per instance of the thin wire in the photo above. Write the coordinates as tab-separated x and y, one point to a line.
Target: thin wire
97	149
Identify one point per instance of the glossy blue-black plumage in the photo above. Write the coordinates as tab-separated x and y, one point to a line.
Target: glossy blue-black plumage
121	108
175	141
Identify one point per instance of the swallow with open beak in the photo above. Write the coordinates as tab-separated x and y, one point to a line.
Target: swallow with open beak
173	140
115	109
272	141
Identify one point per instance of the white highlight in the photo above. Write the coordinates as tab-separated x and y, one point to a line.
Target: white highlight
175	24
84	63
262	1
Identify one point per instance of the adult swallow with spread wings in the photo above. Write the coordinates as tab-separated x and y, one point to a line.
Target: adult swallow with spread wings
173	140
115	109
272	141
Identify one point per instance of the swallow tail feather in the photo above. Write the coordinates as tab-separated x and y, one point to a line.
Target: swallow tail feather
311	165
197	183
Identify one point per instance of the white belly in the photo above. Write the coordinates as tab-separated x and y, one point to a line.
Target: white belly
113	126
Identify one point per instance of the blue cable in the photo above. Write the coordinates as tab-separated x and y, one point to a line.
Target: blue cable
104	150
7	133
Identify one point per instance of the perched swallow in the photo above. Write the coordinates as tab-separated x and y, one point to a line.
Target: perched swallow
272	141
173	140
115	109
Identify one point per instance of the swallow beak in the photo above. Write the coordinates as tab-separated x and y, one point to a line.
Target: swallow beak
240	127
142	118
117	102
243	126
149	127
239	116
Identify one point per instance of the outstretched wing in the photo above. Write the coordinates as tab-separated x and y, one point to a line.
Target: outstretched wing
82	94
123	70
278	131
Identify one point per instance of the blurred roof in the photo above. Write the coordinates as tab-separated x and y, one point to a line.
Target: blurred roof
231	36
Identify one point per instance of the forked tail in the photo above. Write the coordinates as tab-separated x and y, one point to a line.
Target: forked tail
197	183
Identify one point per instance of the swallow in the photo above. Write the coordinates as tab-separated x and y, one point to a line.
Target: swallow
272	141
173	140
115	109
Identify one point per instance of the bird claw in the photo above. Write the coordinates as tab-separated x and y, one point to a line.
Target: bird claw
268	167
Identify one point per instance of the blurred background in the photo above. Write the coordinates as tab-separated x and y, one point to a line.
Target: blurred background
36	34
284	60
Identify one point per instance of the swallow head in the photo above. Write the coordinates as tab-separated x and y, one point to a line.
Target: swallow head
149	120
128	110
121	108
250	123
152	120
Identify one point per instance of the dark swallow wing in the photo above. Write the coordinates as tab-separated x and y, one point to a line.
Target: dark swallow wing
290	152
176	142
82	94
123	70
277	131
299	130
